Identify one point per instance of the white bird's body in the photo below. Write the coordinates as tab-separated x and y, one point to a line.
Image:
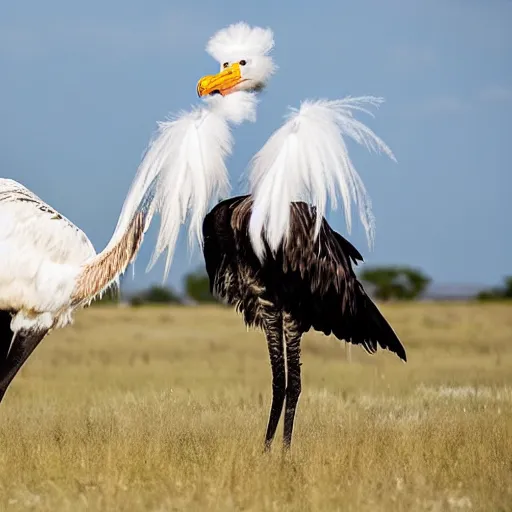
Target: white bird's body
41	254
48	269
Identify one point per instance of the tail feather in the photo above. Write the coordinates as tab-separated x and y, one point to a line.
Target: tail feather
369	328
366	326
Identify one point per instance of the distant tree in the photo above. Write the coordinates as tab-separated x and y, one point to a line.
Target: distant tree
499	293
160	294
508	287
136	301
197	287
155	295
396	282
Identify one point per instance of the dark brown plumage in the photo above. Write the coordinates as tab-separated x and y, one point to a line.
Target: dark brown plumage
306	284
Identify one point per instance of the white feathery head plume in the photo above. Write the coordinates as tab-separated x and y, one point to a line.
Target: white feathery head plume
307	160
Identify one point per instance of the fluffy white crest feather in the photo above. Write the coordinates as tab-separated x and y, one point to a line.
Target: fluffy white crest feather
307	160
184	169
240	41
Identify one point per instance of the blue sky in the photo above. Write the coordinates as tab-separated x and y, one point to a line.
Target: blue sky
84	83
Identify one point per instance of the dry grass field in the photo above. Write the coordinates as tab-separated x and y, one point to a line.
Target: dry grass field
161	409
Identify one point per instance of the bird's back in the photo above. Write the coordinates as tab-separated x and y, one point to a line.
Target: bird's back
311	279
38	249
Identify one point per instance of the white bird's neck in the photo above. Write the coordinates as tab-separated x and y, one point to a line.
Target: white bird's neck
236	107
182	171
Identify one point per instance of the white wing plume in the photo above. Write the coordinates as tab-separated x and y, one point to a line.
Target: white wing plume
307	160
184	169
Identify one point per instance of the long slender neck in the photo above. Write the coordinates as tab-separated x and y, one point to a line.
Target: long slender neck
103	269
149	193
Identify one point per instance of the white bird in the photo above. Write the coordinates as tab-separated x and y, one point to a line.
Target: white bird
48	268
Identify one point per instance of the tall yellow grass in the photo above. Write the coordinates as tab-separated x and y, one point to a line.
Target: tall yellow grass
160	409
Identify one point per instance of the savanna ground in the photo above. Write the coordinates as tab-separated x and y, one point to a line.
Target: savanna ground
159	409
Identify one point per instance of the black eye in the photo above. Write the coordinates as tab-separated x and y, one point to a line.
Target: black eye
242	62
225	65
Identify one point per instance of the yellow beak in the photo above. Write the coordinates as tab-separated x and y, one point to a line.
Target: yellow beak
222	82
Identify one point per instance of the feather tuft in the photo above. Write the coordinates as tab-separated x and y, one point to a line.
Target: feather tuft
307	160
240	41
184	169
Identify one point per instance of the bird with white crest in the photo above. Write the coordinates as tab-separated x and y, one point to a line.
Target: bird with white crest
271	253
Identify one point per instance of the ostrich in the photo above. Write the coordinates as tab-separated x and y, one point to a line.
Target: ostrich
305	284
272	254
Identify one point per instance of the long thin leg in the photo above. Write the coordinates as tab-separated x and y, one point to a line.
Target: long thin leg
273	327
23	345
292	336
